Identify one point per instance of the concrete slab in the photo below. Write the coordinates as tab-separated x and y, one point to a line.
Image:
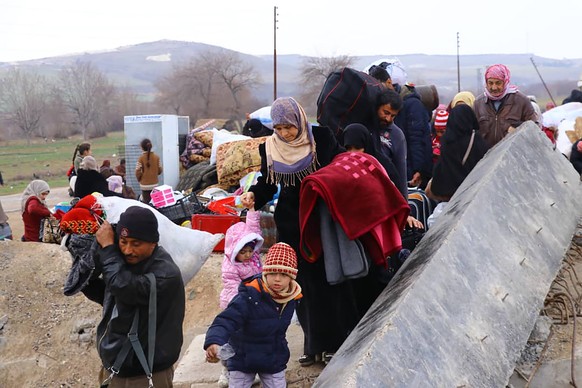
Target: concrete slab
461	309
193	370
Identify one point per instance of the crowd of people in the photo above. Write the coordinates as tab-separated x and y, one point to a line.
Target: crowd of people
328	274
86	177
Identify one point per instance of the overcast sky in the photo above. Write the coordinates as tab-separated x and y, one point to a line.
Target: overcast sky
31	29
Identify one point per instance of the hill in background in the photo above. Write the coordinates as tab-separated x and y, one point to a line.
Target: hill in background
140	66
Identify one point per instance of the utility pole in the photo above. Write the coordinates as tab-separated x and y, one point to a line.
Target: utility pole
275	14
458	67
542	79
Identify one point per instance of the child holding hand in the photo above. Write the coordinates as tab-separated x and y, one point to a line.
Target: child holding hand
256	321
242	247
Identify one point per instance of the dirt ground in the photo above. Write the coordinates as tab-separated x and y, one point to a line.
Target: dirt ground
48	339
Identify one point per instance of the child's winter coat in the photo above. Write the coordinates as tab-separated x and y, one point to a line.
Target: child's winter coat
255	326
233	272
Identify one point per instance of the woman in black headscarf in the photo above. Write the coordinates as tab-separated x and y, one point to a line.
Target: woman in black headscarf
357	137
461	149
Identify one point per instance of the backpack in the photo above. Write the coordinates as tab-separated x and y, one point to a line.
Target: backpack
348	96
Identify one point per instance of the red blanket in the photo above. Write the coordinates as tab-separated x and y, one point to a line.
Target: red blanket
361	197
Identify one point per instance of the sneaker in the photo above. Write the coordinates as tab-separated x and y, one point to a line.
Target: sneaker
326	357
257	380
223	379
306	360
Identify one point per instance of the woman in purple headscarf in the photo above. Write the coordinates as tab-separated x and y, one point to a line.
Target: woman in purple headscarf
295	150
501	108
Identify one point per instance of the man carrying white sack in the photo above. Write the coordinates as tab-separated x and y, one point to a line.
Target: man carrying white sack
142	294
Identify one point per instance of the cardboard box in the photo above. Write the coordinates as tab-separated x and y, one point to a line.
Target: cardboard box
214	223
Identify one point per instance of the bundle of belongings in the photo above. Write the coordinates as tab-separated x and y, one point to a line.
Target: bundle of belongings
198	148
230	157
351	213
81	223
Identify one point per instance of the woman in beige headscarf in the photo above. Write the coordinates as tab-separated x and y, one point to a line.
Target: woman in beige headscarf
34	209
463	98
295	150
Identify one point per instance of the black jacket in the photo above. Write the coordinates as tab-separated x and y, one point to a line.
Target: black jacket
449	170
124	288
575	96
576	157
90	181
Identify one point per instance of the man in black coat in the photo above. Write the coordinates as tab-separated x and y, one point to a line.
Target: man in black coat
124	290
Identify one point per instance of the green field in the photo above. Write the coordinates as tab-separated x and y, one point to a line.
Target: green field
49	160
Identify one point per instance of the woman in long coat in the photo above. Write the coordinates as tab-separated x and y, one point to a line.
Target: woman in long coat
295	150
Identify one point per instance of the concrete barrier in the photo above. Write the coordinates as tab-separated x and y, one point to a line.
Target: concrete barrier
461	309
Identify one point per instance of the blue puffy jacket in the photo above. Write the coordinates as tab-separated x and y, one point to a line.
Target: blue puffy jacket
255	326
414	120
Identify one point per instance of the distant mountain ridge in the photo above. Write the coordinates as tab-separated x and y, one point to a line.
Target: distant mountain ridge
140	66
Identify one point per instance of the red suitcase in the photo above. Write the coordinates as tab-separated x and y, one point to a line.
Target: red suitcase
214	223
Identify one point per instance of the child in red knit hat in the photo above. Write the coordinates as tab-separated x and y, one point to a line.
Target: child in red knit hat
255	322
440	125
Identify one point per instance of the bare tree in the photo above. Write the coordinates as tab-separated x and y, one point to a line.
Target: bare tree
23	99
189	88
87	93
236	74
202	86
172	92
314	72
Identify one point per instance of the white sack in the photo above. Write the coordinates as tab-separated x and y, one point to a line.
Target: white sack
189	248
221	137
554	116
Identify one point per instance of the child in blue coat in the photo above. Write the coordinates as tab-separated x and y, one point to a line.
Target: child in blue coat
256	321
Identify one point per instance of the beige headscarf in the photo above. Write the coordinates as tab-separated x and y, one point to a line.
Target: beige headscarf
466	97
290	162
34	189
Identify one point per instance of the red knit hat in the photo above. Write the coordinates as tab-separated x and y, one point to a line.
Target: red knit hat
440	120
281	258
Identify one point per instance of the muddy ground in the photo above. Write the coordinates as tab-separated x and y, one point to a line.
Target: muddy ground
48	339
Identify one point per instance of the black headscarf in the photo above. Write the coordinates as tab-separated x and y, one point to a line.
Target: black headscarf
449	171
254	128
357	135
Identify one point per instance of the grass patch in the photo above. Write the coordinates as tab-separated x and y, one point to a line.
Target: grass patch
50	160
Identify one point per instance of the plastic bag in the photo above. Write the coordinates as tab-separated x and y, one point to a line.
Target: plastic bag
264	116
440	207
50	232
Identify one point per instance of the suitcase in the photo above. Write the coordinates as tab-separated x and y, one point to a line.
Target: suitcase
214	223
421	206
